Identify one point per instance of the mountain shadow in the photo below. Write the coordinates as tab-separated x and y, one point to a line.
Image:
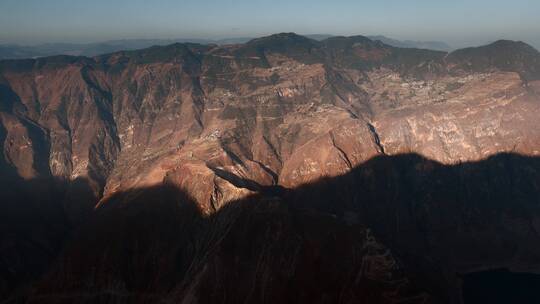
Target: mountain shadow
396	229
35	223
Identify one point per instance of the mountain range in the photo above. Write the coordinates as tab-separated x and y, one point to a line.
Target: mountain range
94	49
283	169
430	45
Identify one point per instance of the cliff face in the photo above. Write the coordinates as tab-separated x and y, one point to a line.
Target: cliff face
225	122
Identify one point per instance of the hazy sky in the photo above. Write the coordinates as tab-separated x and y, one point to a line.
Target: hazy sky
458	22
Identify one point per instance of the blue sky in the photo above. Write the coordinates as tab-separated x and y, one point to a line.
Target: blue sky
458	22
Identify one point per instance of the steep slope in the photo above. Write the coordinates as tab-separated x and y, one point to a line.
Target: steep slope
395	229
280	109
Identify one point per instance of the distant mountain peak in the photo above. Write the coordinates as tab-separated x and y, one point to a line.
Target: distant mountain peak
431	45
282	38
515	45
293	45
506	55
500	45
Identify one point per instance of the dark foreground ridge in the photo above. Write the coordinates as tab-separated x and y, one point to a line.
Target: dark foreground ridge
396	229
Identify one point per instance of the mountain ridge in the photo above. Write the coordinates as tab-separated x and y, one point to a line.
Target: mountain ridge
282	37
95	49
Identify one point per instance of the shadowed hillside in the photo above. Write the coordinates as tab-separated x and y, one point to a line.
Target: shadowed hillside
396	229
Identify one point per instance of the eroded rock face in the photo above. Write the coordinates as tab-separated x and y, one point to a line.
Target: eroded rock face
225	122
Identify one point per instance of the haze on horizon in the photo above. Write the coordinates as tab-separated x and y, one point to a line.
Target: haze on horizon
459	22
